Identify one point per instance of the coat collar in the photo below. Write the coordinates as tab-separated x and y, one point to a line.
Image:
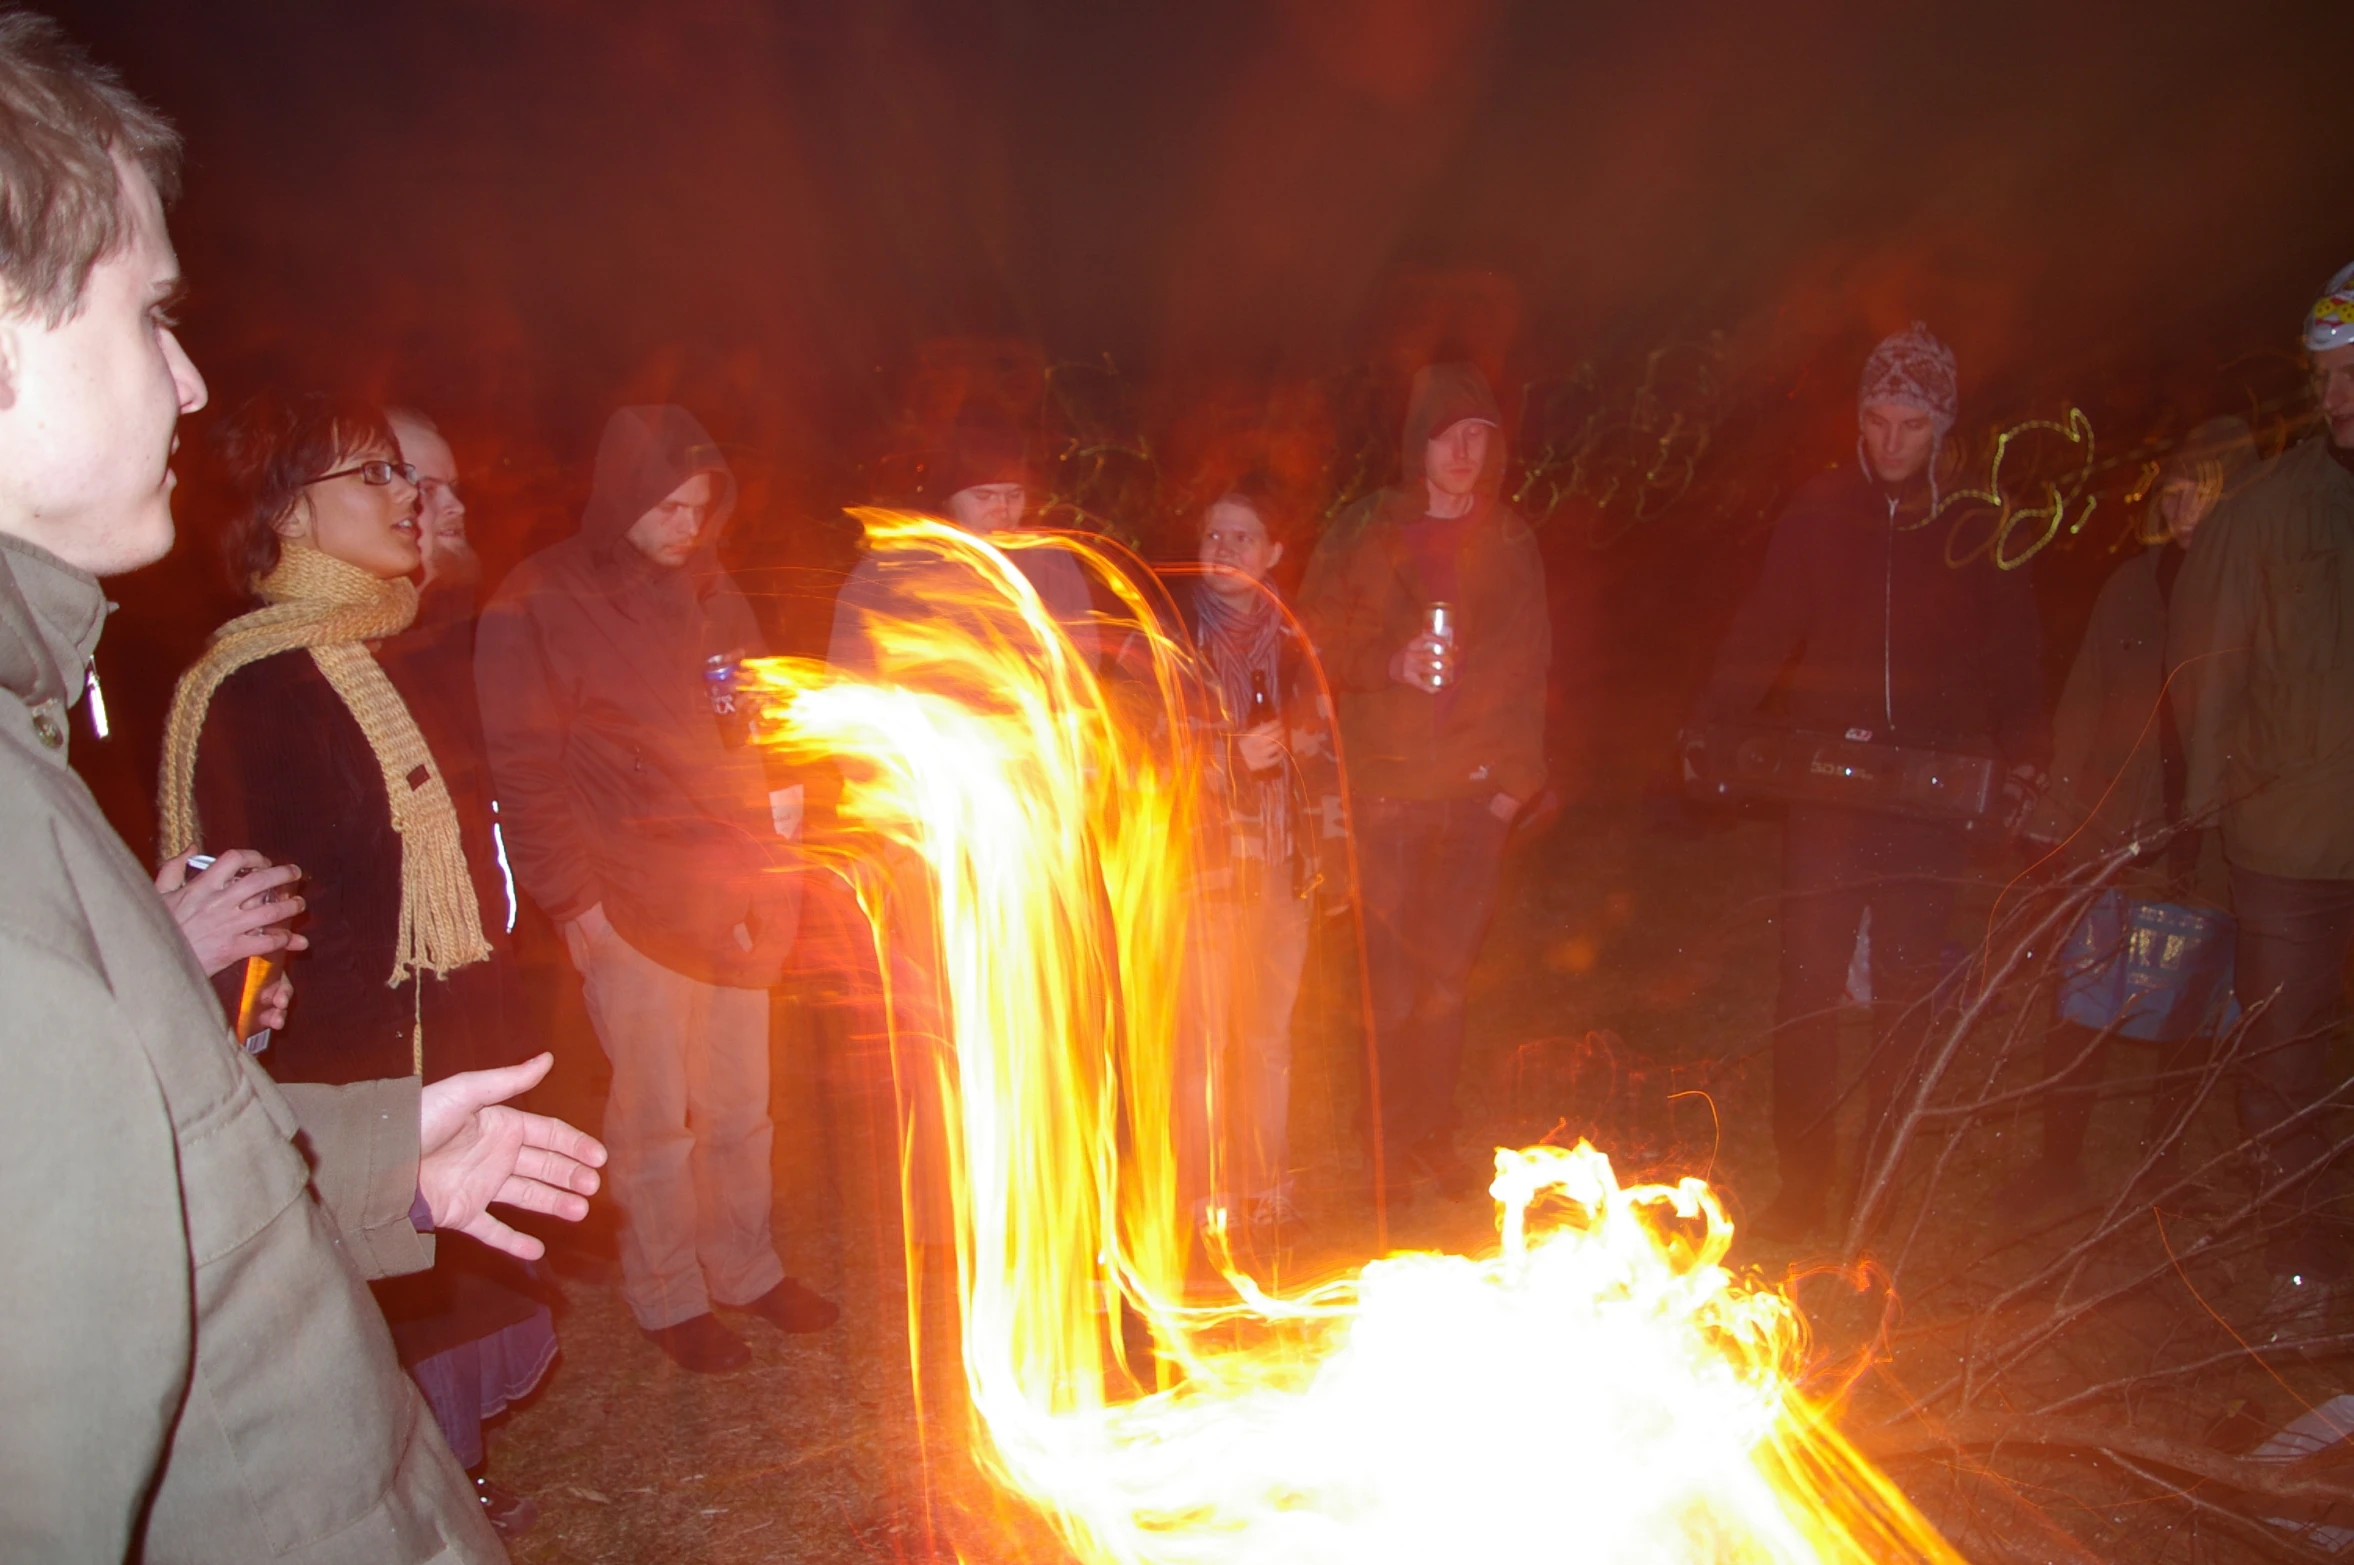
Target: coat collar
50	617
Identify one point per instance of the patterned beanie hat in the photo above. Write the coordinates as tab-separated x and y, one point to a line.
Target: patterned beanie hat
2330	323
1914	368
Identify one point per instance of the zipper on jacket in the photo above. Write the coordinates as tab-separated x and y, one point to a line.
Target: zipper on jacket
96	693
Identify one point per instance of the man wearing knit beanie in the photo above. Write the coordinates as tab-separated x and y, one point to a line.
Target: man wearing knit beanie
1883	642
978	477
2263	659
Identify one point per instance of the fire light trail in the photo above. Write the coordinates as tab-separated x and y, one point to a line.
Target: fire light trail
1601	1388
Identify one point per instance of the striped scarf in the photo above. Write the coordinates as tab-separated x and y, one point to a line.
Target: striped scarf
1238	641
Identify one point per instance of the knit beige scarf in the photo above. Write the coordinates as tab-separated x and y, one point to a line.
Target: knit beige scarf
317	601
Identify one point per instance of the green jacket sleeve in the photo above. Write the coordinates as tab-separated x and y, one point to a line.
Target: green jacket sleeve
95	1298
2207	656
362	1143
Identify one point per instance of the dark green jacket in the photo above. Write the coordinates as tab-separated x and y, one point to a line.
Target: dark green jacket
2262	644
191	1366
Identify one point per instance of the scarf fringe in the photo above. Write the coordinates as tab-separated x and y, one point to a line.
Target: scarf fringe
332	609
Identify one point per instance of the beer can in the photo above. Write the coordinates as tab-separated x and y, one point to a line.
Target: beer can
719	682
1439	623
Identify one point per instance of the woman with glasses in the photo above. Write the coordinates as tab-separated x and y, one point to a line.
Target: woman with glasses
322	731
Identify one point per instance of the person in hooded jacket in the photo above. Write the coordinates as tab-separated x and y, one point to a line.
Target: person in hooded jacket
2262	647
2118	778
1442	739
644	827
1875	636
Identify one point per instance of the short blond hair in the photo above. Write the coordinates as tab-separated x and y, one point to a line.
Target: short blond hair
64	120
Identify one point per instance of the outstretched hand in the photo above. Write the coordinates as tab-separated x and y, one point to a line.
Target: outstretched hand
234	909
473	1150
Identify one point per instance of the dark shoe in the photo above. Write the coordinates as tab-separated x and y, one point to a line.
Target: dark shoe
701	1344
1794	1217
510	1514
792	1308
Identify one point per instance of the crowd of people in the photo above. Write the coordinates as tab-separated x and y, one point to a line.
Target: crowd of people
259	1305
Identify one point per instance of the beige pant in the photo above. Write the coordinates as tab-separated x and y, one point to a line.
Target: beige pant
688	1129
1234	1048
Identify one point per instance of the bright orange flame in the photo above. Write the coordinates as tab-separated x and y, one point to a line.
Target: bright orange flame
1601	1387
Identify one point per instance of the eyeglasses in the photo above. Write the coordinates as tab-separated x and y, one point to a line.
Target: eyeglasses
377	473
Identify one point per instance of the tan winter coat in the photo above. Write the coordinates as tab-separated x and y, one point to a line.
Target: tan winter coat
2262	641
191	1366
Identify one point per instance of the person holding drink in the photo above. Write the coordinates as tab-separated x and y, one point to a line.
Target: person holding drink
1427	603
1273	849
323	732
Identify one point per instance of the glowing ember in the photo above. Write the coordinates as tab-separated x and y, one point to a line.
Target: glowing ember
1601	1388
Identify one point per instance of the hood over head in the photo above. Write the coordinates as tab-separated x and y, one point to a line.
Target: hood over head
1443	396
646	453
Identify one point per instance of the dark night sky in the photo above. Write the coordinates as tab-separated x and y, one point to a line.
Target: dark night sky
516	213
529	198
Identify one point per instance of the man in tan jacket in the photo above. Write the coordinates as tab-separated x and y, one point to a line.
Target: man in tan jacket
191	1366
2262	644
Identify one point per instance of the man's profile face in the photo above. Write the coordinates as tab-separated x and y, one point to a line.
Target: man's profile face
2333	387
1897	438
90	405
441	514
988	508
673	529
1453	458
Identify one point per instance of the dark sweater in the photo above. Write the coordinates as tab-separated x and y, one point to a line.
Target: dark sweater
283	768
1879	636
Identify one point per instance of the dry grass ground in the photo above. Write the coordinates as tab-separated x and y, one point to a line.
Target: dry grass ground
1626	991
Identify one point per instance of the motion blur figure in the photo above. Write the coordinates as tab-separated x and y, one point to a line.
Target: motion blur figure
1873	636
980	479
1443	739
1274	852
2118	778
328	729
644	827
451	572
2262	644
192	1366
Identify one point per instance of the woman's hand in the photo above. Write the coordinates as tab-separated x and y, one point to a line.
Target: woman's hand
233	909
